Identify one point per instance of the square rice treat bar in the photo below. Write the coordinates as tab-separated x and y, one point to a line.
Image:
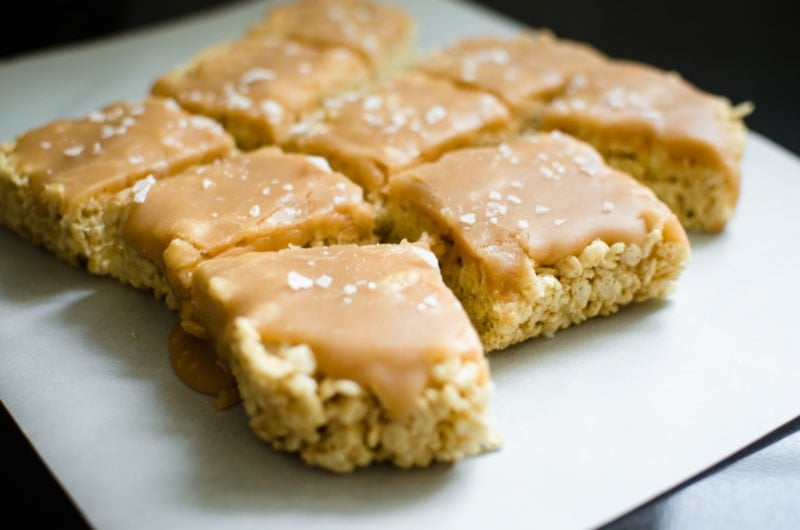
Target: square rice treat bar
381	34
56	180
524	71
684	144
348	355
259	87
539	234
262	200
371	134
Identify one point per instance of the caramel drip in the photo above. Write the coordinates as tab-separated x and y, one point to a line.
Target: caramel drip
371	29
263	81
624	100
377	315
115	147
543	197
262	200
518	70
400	122
196	364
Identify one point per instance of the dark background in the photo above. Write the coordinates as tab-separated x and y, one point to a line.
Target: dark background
747	51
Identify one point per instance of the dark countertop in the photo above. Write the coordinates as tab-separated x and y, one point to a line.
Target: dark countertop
745	51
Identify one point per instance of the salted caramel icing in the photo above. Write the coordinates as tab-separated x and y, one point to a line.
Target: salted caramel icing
624	99
520	70
261	200
378	315
371	29
197	365
398	123
544	197
266	82
112	148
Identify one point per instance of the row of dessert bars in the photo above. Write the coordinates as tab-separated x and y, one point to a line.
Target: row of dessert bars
682	143
347	351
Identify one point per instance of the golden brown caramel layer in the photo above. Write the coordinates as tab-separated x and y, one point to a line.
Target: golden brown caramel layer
520	70
260	86
377	315
398	123
543	197
628	100
372	29
262	200
114	147
197	365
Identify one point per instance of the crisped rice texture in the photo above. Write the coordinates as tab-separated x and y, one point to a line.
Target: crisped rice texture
339	425
702	195
73	234
598	281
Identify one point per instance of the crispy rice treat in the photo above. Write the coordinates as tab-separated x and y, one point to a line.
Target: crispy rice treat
381	34
525	71
259	87
684	144
348	355
539	234
371	134
261	200
56	181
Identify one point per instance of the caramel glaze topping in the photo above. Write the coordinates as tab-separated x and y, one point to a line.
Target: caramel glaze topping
517	70
626	99
114	147
371	29
197	365
264	81
262	200
378	315
544	197
398	123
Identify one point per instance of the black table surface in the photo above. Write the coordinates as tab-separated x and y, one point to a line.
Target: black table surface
744	51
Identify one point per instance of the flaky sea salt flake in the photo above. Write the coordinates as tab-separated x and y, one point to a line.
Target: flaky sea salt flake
324	281
431	300
372	102
297	281
272	109
427	256
320	162
257	74
435	114
141	189
73	151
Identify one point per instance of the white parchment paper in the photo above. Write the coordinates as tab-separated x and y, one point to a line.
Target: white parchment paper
597	420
